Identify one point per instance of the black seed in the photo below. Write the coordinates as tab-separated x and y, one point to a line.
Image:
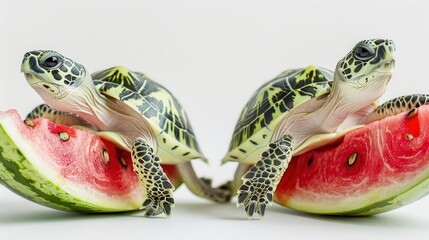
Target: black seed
310	161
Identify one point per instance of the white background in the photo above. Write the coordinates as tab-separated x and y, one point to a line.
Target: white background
212	55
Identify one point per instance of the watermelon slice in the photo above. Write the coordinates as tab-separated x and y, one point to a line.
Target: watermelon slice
380	167
67	168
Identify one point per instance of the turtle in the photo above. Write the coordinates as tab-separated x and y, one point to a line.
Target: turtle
129	109
304	108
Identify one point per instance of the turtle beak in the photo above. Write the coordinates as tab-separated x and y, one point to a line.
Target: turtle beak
386	67
24	65
30	64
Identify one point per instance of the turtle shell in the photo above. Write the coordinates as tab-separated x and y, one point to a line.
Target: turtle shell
157	105
269	105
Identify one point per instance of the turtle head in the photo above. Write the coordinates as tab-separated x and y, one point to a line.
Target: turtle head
366	70
52	75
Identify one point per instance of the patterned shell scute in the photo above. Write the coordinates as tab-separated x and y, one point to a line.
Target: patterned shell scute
152	100
277	97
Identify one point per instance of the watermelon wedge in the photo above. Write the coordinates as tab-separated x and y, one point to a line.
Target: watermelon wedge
67	168
380	167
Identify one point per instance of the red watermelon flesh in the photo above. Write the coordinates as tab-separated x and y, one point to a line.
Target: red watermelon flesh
380	167
68	168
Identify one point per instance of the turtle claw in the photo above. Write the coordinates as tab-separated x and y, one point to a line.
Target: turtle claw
254	202
155	182
259	183
154	206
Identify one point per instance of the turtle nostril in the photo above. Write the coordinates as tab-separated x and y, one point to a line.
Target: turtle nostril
46	86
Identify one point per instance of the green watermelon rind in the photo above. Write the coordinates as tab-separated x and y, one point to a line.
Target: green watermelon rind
411	195
22	176
406	196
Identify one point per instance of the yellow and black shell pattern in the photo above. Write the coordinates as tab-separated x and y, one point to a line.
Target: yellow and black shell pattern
269	105
167	117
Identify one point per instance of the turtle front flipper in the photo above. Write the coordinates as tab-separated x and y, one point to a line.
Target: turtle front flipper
396	106
260	182
65	118
155	183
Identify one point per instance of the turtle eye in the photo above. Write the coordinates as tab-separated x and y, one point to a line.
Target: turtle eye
51	61
363	53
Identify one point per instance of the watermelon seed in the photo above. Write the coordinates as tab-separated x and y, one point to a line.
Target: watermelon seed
106	156
409	136
123	162
352	158
64	136
29	122
310	161
412	113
